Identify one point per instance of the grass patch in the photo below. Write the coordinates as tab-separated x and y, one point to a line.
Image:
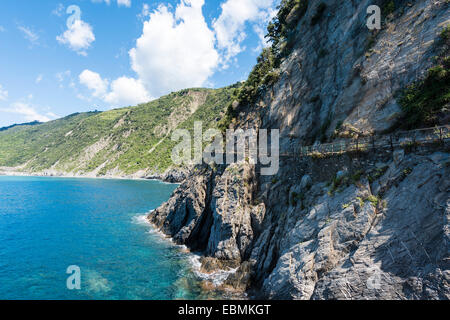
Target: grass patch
407	171
379	172
346	205
373	200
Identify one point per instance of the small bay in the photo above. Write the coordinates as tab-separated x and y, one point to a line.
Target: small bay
49	224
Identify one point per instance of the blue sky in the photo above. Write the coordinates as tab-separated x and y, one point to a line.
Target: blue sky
120	52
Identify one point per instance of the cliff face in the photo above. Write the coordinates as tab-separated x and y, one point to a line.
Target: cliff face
370	226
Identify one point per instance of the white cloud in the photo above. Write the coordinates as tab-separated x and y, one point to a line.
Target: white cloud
127	91
78	37
175	50
178	50
145	11
3	93
39	78
125	3
29	34
29	112
99	1
59	10
62	76
230	26
123	91
94	82
52	115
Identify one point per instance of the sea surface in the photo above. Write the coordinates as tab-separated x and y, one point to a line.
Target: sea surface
49	224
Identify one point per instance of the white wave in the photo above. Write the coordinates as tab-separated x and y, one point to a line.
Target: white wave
217	278
141	219
96	283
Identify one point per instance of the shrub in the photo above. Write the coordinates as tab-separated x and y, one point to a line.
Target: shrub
361	201
373	200
263	74
422	101
377	174
389	7
357	176
445	33
280	28
337	183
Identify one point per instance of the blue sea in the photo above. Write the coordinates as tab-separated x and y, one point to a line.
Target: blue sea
49	224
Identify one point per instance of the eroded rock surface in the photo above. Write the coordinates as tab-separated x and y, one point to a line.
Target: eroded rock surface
377	232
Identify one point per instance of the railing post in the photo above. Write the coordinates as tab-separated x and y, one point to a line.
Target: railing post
441	135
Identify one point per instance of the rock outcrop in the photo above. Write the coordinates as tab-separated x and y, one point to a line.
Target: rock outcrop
375	226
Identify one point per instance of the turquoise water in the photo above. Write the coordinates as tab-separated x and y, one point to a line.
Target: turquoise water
49	224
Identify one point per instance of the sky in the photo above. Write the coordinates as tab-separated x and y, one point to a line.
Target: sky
61	57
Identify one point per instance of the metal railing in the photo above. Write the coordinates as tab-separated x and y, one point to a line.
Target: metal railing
399	139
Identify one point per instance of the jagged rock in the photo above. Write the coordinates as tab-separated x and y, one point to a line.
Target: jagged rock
241	279
210	265
175	175
387	239
306	182
210	212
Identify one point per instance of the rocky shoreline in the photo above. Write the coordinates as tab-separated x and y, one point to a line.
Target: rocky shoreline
364	225
385	226
171	176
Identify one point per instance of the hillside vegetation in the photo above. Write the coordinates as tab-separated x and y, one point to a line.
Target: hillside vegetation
120	142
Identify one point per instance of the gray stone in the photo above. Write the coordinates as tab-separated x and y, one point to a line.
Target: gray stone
389	239
306	182
398	156
341	174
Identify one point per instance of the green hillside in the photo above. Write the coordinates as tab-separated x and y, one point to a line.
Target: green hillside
117	142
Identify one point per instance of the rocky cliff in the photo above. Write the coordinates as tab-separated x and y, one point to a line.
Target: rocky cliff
353	226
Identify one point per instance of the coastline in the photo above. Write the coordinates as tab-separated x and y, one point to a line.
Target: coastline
29	174
167	177
214	281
